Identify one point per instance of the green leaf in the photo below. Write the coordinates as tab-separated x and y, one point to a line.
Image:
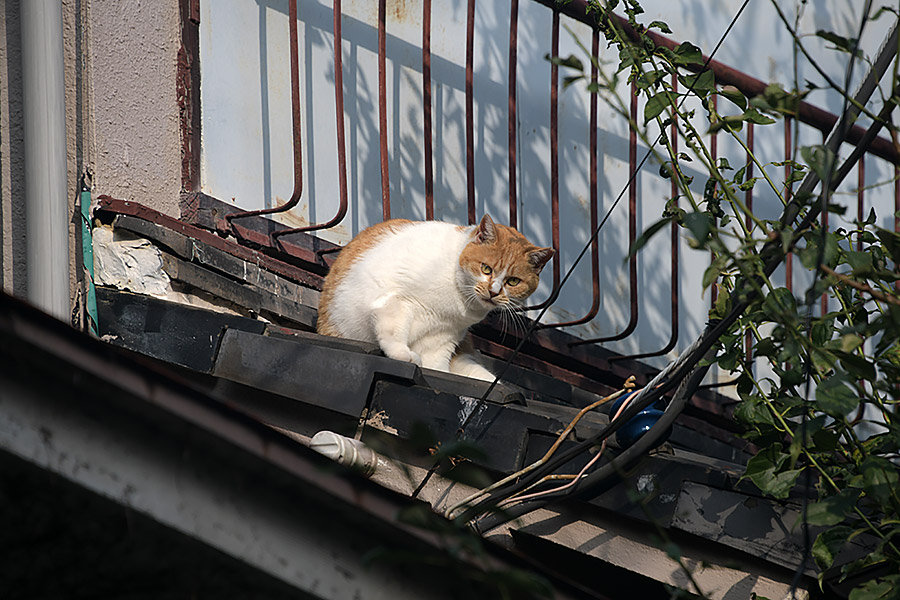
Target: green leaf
860	262
701	83
655	106
828	544
734	95
891	242
856	366
710	275
571	61
648	233
754	116
810	254
688	54
840	42
779	302
700	226
835	398
879	477
832	510
820	159
872	590
764	470
659	25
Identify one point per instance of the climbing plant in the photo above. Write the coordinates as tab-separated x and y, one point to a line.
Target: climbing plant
818	380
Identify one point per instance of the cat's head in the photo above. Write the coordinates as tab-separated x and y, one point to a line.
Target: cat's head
499	267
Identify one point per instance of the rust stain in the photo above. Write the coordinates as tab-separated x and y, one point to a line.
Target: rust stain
397	10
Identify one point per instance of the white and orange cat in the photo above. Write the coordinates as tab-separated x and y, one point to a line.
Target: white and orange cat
415	288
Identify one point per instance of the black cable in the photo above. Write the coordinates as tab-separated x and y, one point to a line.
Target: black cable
553	297
604	475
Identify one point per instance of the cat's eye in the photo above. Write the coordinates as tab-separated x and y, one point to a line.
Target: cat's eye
486	269
513	281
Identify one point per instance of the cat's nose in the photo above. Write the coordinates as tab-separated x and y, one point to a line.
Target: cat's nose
493	293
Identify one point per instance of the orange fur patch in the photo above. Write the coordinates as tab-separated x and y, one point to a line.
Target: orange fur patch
509	252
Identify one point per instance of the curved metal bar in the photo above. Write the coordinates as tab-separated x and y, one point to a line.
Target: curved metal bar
513	49
595	242
632	233
673	337
426	101
554	164
382	111
297	133
470	112
788	260
339	120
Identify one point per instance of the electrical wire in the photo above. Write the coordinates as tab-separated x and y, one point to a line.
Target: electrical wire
580	474
550	452
555	295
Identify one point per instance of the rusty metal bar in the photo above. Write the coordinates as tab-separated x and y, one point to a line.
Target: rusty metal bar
297	133
554	163
426	100
748	222
788	191
513	49
673	274
860	199
382	111
632	231
595	201
470	112
339	123
714	151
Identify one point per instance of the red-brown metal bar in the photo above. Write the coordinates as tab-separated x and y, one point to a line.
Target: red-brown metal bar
673	273
554	162
339	123
513	49
595	201
860	200
632	231
714	151
297	132
748	222
382	111
470	112
788	191
426	99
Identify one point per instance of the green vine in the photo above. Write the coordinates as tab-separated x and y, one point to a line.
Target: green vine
844	440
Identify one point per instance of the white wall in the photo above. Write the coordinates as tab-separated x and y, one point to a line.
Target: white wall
246	129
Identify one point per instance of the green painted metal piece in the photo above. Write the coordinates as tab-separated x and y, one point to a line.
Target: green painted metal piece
87	254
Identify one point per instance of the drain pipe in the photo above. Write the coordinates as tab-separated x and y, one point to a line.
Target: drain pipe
46	208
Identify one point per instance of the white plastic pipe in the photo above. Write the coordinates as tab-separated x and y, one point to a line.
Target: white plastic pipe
345	451
44	106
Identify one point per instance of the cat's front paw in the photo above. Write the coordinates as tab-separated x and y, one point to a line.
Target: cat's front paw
403	353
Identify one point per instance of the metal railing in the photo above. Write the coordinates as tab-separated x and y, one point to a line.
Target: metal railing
807	114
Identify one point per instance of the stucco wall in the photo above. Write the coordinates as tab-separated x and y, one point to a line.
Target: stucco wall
132	65
122	117
12	167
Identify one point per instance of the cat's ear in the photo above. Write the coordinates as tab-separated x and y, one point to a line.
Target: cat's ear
486	232
538	257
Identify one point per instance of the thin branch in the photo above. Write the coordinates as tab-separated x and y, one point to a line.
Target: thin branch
862	287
